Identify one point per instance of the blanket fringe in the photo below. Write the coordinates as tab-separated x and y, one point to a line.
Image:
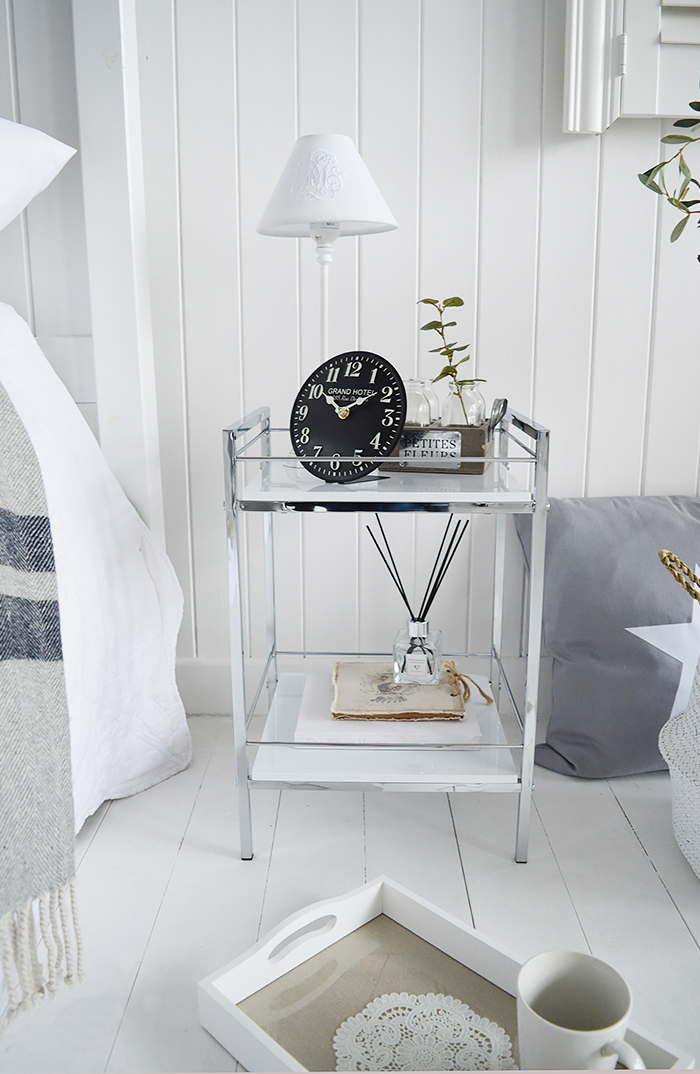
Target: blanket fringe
26	979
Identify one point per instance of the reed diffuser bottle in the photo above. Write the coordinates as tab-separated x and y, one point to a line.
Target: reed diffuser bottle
418	653
418	649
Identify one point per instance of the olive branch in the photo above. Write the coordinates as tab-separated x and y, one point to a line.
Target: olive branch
448	350
655	178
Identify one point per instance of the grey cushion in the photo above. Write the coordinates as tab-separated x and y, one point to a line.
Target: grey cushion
612	691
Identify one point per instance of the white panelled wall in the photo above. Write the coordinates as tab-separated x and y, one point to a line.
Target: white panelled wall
577	307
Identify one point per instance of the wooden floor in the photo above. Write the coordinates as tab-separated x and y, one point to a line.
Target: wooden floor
165	900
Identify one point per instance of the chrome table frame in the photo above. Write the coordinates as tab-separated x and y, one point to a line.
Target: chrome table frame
430	493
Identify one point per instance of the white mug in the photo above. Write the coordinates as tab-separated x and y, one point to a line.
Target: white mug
573	1012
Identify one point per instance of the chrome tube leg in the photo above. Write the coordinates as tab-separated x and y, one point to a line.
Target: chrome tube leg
534	644
237	652
269	570
498	591
270	613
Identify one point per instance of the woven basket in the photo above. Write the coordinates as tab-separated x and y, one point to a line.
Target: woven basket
679	742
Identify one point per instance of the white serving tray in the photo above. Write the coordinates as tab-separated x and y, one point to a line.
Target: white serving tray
313	930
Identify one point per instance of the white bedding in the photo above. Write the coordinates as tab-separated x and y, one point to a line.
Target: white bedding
119	599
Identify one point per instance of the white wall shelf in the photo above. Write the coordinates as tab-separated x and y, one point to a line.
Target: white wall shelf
262	481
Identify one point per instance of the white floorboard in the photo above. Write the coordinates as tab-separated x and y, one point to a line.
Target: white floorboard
165	899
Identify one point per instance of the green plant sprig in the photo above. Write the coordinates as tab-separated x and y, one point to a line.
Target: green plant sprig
655	178
448	350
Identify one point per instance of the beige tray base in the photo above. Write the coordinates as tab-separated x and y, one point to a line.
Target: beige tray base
303	1009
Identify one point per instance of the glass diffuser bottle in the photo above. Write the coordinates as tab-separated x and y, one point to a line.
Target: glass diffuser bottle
418	653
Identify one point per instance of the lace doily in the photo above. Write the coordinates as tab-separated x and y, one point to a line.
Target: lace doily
433	1032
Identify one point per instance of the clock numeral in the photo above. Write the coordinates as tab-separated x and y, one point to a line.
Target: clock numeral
353	369
302	412
388	419
387	393
357	461
315	391
304	435
318	448
332	375
375	441
334	464
373	376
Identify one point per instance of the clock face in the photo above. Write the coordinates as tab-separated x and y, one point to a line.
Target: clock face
353	405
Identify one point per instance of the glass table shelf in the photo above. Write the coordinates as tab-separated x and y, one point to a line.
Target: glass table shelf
443	765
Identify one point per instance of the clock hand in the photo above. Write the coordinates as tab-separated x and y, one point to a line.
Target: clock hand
361	399
342	412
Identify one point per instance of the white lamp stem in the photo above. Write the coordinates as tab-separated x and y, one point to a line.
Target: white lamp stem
325	235
325	281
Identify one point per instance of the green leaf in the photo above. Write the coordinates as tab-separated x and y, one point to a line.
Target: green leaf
689	204
430	301
464	348
647	178
695	105
449	324
676	139
448	370
681	193
465	359
439	377
453	301
683	165
689	122
435	350
678	229
430	325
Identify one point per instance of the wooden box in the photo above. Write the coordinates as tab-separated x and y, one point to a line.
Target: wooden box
438	449
277	1007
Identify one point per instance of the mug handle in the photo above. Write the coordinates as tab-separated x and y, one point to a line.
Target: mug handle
625	1053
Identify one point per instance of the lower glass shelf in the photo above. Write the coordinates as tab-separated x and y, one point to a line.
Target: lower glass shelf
385	763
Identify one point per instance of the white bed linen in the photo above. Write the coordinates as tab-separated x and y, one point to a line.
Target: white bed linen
119	599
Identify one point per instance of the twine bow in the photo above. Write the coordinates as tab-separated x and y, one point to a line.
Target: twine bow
460	686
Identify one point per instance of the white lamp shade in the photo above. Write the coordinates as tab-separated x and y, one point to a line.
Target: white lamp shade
326	181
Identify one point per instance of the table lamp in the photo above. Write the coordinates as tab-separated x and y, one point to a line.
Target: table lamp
325	191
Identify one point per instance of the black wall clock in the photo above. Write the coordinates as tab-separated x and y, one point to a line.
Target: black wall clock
352	405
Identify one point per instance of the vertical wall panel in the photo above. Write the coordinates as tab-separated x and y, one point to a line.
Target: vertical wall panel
46	81
159	117
207	156
43	261
510	197
672	435
566	273
13	268
624	293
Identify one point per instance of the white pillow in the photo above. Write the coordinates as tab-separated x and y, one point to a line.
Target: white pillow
29	160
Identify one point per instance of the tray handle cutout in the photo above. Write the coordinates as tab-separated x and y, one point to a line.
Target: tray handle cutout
290	943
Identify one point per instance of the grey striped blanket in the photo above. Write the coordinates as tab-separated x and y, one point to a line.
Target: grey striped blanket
38	931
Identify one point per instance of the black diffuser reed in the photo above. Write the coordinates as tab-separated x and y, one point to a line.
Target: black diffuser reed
446	552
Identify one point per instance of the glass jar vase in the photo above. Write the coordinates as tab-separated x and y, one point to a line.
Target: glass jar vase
417	403
470	409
